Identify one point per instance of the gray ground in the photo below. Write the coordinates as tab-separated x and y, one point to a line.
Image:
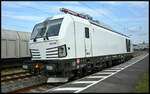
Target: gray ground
124	81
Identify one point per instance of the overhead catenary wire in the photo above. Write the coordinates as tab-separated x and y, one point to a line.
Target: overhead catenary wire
28	7
80	3
124	28
16	26
35	9
101	14
133	15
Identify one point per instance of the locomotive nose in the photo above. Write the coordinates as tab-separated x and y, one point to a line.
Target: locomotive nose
44	50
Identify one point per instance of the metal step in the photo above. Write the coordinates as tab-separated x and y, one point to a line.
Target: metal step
57	79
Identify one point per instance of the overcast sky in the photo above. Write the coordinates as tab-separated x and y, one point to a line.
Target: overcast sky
129	18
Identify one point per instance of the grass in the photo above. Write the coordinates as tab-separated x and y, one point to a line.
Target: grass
143	84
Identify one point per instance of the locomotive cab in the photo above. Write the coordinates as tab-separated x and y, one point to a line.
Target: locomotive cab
47	38
50	45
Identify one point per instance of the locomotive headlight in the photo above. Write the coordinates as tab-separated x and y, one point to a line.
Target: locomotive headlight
49	67
25	67
62	51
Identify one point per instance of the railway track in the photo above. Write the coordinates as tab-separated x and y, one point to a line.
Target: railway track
34	88
11	67
41	86
27	88
15	76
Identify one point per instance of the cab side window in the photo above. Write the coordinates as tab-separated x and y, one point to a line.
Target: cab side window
128	45
86	32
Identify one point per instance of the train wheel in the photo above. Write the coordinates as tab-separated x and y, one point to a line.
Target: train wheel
79	73
84	71
110	64
105	65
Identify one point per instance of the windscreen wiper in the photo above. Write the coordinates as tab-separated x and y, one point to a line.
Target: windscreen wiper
34	40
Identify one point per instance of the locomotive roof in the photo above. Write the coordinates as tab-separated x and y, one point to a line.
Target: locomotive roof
106	27
102	25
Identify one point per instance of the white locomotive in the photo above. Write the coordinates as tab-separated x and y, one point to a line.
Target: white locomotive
74	43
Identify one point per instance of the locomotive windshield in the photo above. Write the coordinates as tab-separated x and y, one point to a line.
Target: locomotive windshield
51	28
38	31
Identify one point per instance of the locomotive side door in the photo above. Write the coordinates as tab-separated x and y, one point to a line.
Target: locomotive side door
87	41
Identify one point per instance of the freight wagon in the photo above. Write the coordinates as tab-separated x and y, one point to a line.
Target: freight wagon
14	47
70	44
